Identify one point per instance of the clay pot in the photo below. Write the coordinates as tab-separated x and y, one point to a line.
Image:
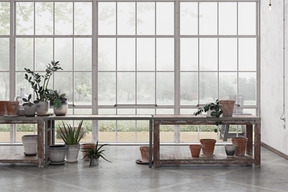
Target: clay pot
3	108
84	146
145	153
240	142
227	107
12	107
208	146
195	150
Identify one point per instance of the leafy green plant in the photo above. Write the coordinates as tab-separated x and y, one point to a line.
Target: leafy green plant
57	99
71	135
27	101
216	109
94	153
39	83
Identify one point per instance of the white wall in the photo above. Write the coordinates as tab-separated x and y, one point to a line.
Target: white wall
273	133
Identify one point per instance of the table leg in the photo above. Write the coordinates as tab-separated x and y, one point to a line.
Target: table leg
257	144
249	133
156	151
150	143
46	142
40	151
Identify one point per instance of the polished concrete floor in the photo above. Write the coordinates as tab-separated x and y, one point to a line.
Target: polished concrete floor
123	174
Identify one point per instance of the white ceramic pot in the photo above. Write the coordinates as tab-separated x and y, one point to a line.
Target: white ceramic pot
94	162
57	154
72	153
42	107
30	144
30	110
61	111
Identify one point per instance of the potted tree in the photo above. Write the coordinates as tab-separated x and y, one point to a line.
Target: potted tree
59	102
71	138
29	107
39	84
94	153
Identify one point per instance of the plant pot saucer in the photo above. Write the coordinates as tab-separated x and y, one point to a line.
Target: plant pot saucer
45	114
57	163
140	162
30	154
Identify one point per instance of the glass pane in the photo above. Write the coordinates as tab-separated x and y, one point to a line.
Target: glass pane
165	88
208	18
107	111
145	88
187	111
145	54
44	18
63	82
165	19
208	54
83	54
107	131
63	18
43	52
227	54
145	111
25	18
83	18
4	84
24	53
4	54
126	131
227	85
145	18
227	18
247	88
106	88
126	54
247	18
189	18
107	18
142	131
165	112
125	88
83	88
125	111
5	133
106	54
63	52
208	87
5	18
247	54
189	88
22	83
165	54
189	54
126	18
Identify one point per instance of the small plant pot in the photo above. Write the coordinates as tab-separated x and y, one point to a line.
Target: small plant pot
30	144
72	153
94	162
3	108
42	108
86	145
29	110
195	150
230	149
145	153
208	146
227	107
240	142
62	111
12	107
57	154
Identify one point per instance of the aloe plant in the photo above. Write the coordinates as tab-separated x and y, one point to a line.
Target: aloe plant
94	152
70	135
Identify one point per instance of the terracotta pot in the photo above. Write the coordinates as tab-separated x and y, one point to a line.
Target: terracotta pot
208	146
195	150
86	145
3	108
145	153
240	142
227	107
12	107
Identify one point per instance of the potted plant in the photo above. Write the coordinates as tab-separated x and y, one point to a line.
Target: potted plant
29	107
59	102
39	84
71	138
94	153
213	109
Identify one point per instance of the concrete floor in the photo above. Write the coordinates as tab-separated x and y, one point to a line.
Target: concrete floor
123	174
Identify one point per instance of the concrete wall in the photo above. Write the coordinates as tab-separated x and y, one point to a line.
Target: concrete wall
273	132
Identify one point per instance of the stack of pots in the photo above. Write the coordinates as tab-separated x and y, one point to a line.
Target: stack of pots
8	108
240	143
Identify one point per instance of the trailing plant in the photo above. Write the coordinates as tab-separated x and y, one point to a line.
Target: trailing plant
57	99
27	101
94	152
71	135
39	83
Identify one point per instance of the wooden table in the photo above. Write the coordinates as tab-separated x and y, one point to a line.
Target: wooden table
21	158
247	120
